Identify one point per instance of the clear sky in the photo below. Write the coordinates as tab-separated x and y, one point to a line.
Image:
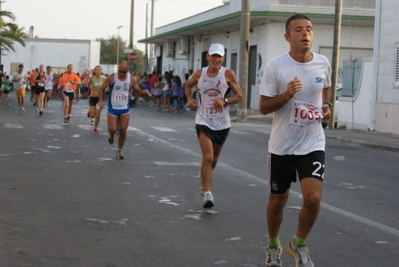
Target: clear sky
91	19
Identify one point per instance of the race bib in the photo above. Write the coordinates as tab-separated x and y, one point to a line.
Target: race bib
213	112
68	88
303	113
40	84
119	100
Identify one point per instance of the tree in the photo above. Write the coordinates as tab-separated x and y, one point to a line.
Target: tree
10	32
108	52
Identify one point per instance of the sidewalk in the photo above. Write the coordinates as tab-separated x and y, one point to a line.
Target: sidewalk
374	140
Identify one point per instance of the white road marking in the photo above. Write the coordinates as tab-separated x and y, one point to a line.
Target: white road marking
164	129
52	126
240	132
13	125
169	163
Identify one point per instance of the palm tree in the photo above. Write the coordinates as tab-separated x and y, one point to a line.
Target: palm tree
10	32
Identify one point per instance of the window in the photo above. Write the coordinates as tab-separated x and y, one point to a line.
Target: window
396	74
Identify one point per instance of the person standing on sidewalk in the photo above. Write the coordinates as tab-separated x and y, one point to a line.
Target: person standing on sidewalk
212	120
296	86
20	80
68	82
120	86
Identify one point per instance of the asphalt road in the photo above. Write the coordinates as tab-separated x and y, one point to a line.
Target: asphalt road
66	201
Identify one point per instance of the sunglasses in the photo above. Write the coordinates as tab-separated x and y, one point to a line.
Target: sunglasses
122	72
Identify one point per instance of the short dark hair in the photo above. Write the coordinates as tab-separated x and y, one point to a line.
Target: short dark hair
20	65
295	17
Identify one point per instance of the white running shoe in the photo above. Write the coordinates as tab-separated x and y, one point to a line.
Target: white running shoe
273	255
23	110
300	254
208	200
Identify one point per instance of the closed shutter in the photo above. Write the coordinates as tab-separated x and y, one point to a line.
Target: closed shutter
396	74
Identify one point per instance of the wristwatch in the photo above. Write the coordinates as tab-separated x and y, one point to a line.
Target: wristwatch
226	101
328	103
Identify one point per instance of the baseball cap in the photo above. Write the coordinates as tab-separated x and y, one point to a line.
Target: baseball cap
216	49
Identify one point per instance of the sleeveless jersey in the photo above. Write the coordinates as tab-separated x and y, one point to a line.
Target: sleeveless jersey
49	84
119	93
95	84
39	76
209	89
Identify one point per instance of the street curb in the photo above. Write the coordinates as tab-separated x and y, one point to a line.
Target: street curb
362	143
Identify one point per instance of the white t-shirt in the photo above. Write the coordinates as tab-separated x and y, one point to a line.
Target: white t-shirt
21	83
209	89
296	128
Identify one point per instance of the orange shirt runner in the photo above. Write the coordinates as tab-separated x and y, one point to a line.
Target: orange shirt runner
66	84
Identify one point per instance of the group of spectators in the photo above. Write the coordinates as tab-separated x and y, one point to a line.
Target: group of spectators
167	90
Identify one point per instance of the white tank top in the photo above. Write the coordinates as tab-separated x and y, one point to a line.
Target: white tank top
119	92
49	84
209	89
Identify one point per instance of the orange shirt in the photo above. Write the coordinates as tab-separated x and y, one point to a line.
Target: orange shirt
65	82
32	78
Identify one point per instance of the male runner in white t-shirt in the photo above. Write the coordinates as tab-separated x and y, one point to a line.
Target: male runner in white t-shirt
212	121
296	86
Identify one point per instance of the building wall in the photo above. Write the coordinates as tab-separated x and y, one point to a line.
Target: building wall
387	106
53	52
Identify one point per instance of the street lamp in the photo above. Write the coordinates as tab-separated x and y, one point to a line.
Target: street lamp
117	46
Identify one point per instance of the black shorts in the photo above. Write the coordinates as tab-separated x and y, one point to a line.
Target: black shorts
283	170
93	100
39	90
71	95
33	88
218	137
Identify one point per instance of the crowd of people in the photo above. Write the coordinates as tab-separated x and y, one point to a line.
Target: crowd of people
296	87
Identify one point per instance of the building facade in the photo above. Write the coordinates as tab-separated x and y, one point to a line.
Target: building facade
183	45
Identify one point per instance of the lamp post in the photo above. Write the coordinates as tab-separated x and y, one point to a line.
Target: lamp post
117	46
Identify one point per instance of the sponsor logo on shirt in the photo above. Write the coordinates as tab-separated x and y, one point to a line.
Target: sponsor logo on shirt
319	80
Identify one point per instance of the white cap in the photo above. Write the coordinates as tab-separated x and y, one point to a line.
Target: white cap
216	49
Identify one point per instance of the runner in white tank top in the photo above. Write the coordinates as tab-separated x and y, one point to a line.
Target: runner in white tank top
212	119
120	85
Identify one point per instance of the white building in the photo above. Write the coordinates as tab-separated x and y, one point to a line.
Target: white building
57	53
375	105
183	45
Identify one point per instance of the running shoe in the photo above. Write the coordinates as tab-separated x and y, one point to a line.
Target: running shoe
119	154
110	138
65	120
300	254
95	130
208	200
23	110
40	113
92	122
201	187
20	111
68	119
273	255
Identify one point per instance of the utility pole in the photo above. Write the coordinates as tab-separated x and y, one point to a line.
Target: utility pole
243	58
0	46
334	66
131	31
146	36
152	34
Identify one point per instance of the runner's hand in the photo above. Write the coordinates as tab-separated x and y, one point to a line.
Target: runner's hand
294	86
191	103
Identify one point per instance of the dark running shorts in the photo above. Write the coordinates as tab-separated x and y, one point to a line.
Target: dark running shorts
283	170
70	95
39	90
218	137
93	100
